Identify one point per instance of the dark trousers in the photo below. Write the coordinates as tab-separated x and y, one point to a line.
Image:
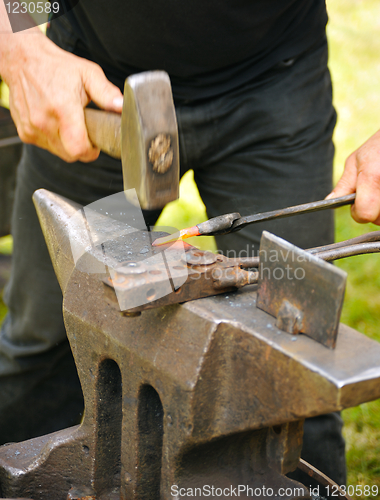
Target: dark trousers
264	146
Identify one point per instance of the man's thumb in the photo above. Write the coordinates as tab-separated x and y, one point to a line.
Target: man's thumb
347	183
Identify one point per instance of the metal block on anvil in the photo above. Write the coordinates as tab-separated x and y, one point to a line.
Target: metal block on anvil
303	292
210	392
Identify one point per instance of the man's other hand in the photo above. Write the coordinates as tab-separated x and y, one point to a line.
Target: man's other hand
362	175
48	91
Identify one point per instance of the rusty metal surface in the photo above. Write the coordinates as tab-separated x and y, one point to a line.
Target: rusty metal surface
182	395
161	153
210	274
81	493
302	291
177	277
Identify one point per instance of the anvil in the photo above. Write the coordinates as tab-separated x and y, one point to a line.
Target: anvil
209	392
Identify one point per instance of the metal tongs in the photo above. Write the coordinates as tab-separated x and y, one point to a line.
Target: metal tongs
229	223
364	244
209	274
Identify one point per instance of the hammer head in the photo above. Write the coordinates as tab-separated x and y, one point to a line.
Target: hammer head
149	146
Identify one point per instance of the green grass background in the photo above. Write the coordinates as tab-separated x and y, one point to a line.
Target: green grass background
354	38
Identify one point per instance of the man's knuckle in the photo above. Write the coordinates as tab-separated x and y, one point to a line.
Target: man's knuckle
24	136
94	71
375	178
370	176
59	109
96	68
365	213
77	150
26	132
37	123
364	218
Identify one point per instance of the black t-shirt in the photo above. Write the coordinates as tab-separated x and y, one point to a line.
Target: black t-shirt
208	47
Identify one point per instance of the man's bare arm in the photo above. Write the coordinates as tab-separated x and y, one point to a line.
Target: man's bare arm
362	175
48	90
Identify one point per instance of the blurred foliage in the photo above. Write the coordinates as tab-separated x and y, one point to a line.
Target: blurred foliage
353	33
361	310
4	95
6	245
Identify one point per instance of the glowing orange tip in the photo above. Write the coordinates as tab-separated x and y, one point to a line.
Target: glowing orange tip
179	235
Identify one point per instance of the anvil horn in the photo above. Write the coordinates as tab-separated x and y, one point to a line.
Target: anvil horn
59	222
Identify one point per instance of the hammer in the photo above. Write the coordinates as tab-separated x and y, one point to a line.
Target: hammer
145	137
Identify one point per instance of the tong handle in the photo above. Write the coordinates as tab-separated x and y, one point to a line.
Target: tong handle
306	208
366	243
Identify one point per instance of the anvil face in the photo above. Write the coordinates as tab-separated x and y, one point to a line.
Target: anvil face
140	273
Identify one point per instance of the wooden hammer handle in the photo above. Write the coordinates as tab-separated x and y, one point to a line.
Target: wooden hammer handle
104	130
